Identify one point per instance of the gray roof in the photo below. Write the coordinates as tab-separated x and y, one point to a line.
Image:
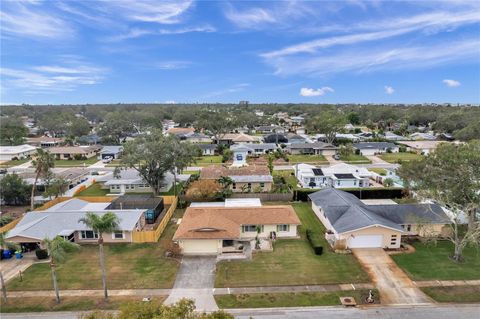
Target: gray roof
374	145
207	146
252	178
111	149
253	147
315	145
347	213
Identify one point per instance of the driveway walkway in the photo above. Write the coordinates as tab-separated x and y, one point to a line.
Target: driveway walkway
195	280
394	285
12	267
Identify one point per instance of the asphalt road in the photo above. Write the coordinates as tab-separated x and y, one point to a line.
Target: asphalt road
433	311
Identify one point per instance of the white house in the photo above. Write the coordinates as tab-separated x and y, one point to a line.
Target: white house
130	181
207	149
336	176
8	153
372	148
256	149
240	153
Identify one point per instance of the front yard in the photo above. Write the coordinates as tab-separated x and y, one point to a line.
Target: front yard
457	294
307	159
13	163
400	157
207	160
292	262
430	262
355	159
76	163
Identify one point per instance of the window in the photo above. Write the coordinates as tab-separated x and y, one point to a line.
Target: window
249	185
283	228
249	228
355	182
409	227
262	185
393	240
338	183
118	235
234	186
88	234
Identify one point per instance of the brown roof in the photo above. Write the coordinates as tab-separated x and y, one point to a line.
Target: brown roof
239	137
179	130
44	139
73	149
217	171
225	222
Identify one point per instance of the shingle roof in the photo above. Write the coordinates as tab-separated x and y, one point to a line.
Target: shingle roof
225	222
315	145
73	149
217	171
374	145
109	149
207	146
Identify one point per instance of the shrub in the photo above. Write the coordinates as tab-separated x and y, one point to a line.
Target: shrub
41	253
314	241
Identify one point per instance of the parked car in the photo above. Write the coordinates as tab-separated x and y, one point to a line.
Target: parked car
107	159
336	157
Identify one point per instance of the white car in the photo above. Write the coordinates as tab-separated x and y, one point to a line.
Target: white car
107	159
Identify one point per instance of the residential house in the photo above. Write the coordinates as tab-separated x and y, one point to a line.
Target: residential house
8	153
268	129
45	141
91	139
316	148
73	177
296	139
276	138
112	151
180	130
350	223
336	176
194	137
255	149
373	148
73	152
217	230
236	138
63	219
394	137
338	136
422	137
130	181
208	149
421	147
253	178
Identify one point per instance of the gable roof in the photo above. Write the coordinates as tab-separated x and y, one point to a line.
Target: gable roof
73	149
225	222
374	145
244	172
315	145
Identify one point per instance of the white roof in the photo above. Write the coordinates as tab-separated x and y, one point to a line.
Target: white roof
12	150
231	202
306	170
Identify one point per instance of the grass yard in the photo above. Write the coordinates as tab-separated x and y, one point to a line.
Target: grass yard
129	266
379	171
457	294
292	262
355	159
289	178
403	157
308	159
76	163
430	262
13	163
289	299
43	304
94	190
170	192
207	160
114	163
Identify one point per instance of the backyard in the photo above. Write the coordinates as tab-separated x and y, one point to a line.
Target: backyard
432	262
129	266
355	159
94	190
402	157
290	179
292	262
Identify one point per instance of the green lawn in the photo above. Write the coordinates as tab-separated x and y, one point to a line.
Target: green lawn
292	262
76	163
457	294
379	171
94	190
431	262
14	163
129	266
289	178
355	159
207	160
308	159
289	299
404	157
170	192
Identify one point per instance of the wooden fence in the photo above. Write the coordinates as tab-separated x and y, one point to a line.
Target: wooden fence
152	236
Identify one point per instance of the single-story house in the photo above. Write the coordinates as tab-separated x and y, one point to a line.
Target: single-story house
73	176
337	176
372	148
421	147
113	151
207	149
214	230
276	138
256	149
8	153
45	141
91	139
194	137
63	218
422	137
180	130
316	148
352	224
338	136
72	152
245	179
130	181
236	138
394	137
266	129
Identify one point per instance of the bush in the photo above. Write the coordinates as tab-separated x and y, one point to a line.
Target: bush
41	253
313	240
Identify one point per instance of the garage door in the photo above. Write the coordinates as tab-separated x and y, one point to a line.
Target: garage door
366	241
200	247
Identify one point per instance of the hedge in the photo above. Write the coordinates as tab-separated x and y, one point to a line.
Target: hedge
312	238
362	193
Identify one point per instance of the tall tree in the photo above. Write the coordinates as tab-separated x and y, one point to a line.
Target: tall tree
42	163
179	155
328	123
100	224
57	249
116	127
78	127
5	244
14	190
56	187
218	123
451	177
12	132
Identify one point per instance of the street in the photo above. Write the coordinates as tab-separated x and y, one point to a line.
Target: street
434	311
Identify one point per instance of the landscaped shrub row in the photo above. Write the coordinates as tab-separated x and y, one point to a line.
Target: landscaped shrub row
314	238
366	193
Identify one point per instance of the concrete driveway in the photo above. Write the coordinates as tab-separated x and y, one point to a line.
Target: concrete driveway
195	280
377	160
394	285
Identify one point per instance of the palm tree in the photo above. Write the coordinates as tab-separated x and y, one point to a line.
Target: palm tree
8	245
43	162
57	249
106	223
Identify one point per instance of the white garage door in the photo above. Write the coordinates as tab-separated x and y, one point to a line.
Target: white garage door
366	241
200	247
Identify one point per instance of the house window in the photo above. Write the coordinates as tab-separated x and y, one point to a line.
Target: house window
338	183
118	235
408	227
249	228
393	240
249	185
262	185
355	183
283	228
234	186
88	234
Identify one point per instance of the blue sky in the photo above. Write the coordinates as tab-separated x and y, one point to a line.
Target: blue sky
206	51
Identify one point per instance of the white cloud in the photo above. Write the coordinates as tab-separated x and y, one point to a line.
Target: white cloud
249	18
451	83
172	65
136	32
315	92
389	89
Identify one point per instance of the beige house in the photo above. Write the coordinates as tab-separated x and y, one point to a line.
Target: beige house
71	152
317	148
352	224
254	178
223	230
63	219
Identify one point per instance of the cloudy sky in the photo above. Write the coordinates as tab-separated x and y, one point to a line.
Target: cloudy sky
206	51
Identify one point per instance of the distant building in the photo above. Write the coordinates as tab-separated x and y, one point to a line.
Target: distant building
8	153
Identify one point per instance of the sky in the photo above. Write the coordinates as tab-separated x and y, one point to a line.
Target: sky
125	51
